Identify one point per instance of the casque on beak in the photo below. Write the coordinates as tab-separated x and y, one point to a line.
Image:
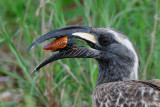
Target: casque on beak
74	31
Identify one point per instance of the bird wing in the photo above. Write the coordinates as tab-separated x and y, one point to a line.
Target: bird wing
155	82
127	93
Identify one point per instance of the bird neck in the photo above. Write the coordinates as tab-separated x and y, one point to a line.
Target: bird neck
113	71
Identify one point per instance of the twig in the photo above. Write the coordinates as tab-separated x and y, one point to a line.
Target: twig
5	78
62	94
157	18
26	11
43	17
40	6
60	82
24	19
152	41
48	75
49	22
74	105
66	67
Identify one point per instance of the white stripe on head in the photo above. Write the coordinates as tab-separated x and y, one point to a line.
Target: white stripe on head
122	39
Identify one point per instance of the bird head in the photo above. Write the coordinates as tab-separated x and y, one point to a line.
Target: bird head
115	53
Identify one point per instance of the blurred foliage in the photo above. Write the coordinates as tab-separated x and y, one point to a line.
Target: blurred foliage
21	24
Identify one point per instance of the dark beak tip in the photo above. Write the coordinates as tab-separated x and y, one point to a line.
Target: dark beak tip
33	72
27	50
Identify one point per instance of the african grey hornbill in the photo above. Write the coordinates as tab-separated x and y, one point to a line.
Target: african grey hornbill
117	84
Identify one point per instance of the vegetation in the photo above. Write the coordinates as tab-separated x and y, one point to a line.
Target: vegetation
68	82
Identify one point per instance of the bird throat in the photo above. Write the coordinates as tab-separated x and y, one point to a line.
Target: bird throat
113	71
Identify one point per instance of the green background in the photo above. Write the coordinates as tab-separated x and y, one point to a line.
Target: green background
22	21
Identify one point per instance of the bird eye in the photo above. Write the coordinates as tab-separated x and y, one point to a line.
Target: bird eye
105	40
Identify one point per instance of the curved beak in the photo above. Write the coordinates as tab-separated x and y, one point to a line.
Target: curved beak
77	31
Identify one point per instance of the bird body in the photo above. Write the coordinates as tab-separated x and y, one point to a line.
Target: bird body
117	84
126	94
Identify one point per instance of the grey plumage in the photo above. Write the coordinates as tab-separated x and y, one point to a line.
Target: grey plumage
126	94
117	84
